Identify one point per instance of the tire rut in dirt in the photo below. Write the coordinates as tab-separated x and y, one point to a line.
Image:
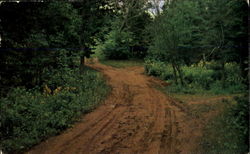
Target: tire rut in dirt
135	118
169	140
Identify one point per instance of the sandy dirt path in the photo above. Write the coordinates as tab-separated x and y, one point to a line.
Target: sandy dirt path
134	119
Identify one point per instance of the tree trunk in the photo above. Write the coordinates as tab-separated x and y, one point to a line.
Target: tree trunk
244	67
175	74
203	60
180	74
82	62
223	75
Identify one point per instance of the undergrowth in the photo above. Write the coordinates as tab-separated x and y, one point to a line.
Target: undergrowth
199	78
228	133
30	116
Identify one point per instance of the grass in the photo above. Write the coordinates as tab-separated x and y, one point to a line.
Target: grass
200	110
201	96
30	116
227	129
191	97
202	105
123	63
228	133
187	97
199	79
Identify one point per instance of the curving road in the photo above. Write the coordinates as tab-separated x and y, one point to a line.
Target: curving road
135	118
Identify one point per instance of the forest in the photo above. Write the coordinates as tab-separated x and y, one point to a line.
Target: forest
57	60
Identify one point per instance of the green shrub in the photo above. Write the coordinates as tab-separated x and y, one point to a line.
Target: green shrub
116	45
199	78
158	69
228	133
232	71
28	116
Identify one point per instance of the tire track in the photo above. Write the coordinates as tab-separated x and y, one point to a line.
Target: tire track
135	118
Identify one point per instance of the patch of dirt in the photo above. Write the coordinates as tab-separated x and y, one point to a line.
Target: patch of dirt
135	118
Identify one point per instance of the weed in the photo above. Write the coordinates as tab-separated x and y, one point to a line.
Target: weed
228	133
29	116
199	79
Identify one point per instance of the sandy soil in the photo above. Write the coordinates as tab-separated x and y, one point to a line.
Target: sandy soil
135	118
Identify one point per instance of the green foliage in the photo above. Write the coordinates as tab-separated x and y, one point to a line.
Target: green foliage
34	50
62	25
228	133
117	45
28	117
94	18
226	29
199	78
141	35
175	31
190	31
41	43
159	69
126	35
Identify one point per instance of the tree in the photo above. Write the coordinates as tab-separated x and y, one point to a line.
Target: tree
117	43
177	34
93	17
189	31
39	37
226	32
129	23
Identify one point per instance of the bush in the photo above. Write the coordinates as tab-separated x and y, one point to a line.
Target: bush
158	69
28	116
228	133
198	78
116	45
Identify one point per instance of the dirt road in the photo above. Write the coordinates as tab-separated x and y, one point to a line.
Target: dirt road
135	118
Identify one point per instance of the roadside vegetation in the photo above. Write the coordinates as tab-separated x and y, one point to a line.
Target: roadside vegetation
195	48
29	116
45	86
198	47
200	78
228	132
